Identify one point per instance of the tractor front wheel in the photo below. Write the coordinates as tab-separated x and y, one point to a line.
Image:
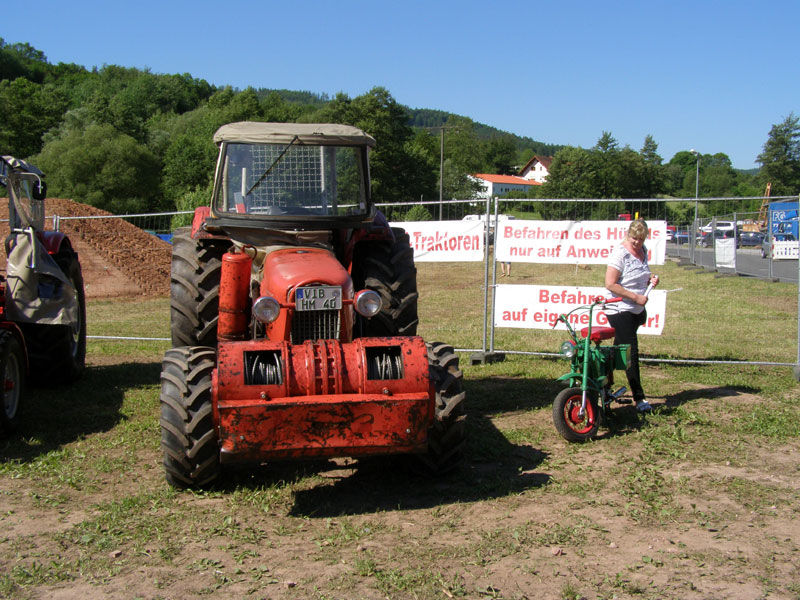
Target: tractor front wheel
388	269
12	367
446	439
188	436
194	288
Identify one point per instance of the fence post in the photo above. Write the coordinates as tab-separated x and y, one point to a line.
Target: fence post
494	278
484	356
797	365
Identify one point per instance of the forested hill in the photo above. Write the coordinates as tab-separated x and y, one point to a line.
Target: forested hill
424	118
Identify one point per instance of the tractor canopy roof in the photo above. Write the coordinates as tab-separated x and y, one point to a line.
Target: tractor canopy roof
315	134
17	165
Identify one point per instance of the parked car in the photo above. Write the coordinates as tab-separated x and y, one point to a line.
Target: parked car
766	244
719	226
681	236
750	239
705	238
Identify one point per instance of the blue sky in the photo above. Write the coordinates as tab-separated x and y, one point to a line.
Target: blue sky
709	75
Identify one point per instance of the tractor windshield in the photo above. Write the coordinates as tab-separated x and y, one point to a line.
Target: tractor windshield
291	179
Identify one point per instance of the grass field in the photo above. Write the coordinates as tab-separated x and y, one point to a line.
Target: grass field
699	500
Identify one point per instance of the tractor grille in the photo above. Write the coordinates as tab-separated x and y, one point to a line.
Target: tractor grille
315	325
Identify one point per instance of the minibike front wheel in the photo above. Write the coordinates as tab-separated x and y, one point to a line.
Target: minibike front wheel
570	423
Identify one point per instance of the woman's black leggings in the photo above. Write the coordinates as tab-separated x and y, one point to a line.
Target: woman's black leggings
625	325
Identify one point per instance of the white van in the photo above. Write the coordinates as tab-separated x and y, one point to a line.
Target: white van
721	226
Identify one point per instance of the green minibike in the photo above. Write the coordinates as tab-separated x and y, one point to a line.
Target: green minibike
579	409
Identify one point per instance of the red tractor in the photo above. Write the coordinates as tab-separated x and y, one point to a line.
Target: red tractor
43	313
294	317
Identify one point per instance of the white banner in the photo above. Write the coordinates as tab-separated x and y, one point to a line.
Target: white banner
725	252
572	242
442	241
539	306
784	250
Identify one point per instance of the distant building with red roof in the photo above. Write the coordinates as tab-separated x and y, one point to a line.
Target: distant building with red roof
501	185
537	168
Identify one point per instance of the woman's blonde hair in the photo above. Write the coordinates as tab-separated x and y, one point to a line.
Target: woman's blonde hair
638	230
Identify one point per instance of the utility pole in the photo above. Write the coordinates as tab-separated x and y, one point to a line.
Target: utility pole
441	129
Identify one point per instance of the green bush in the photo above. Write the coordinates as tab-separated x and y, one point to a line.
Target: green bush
418	212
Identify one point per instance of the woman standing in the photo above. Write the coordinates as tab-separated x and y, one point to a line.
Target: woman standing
627	276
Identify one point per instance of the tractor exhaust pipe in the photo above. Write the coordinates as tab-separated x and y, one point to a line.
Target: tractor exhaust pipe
234	296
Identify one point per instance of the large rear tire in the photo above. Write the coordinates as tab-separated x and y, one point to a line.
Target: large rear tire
194	289
446	436
12	368
188	435
58	352
388	268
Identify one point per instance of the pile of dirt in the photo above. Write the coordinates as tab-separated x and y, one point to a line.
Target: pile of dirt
117	258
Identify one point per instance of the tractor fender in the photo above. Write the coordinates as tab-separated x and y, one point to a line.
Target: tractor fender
379	230
53	240
572	375
591	384
201	213
202	229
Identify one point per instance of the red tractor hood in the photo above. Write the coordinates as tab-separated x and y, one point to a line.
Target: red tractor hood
287	269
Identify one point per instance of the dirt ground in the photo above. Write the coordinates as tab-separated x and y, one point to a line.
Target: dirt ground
524	526
537	522
117	258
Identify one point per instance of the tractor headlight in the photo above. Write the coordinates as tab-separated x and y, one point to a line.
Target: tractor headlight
368	303
568	349
266	309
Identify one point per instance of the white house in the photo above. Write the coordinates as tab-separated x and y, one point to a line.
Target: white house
537	168
501	185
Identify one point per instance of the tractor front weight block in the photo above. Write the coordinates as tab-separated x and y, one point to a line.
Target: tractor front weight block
324	398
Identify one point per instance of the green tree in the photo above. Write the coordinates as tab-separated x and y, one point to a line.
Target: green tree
399	172
27	111
500	156
463	157
128	98
678	173
573	174
780	157
649	151
605	159
190	155
605	171
22	60
459	185
653	171
418	212
462	147
96	164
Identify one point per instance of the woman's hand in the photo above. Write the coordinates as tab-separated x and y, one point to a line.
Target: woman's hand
640	299
654	280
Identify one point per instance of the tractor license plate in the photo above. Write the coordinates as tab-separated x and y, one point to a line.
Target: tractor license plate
318	298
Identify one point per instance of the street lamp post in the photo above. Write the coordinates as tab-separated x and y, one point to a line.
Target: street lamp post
696	196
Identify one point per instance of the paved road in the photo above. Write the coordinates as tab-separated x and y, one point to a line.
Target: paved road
748	262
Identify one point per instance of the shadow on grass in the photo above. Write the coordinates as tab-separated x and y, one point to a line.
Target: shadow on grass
388	484
56	415
672	401
494	468
500	394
